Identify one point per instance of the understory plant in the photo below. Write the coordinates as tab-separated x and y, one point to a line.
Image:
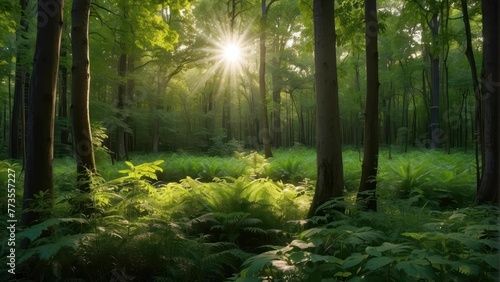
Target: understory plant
459	245
141	229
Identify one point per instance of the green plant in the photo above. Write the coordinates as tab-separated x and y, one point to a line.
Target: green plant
459	245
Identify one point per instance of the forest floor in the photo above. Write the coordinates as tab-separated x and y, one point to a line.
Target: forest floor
186	217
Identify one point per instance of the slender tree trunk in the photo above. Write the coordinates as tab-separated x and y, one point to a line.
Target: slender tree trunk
120	131
42	100
226	117
472	63
368	183
19	87
264	128
490	181
434	128
80	85
277	131
330	179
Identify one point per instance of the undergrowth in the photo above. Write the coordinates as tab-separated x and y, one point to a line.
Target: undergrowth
179	217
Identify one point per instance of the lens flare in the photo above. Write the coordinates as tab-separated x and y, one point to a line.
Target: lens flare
232	53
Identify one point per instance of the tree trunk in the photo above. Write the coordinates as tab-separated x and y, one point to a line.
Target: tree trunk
277	131
435	129
490	183
120	131
472	63
63	101
42	100
368	183
226	117
19	87
264	128
330	180
80	85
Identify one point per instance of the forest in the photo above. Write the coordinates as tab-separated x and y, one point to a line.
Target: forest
250	140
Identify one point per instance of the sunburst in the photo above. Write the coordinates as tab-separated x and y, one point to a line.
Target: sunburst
228	52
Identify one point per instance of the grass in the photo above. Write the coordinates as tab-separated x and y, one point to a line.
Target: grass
180	217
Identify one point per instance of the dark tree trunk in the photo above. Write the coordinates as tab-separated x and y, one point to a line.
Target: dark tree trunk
330	180
80	85
490	183
368	183
15	144
434	55
63	101
42	100
472	63
264	128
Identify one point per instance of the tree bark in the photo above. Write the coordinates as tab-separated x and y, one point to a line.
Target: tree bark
368	183
276	79
264	128
488	190
120	131
42	100
80	85
63	100
434	55
330	180
19	87
469	53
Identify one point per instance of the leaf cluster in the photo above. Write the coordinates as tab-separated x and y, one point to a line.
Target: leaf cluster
460	245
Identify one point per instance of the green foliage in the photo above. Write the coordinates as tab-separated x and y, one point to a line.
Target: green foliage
182	231
231	217
430	178
101	152
460	245
221	148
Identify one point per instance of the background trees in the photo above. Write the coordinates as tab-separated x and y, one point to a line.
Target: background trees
161	83
165	48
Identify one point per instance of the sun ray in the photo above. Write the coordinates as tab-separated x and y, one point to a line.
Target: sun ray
228	54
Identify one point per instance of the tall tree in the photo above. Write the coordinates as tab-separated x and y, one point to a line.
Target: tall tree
368	183
434	57
264	123
330	179
15	146
432	14
488	190
469	53
41	111
80	83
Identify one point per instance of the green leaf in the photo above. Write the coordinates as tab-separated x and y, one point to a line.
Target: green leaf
301	244
466	267
415	268
258	263
386	246
130	164
376	263
353	260
34	232
47	251
297	257
330	259
492	260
